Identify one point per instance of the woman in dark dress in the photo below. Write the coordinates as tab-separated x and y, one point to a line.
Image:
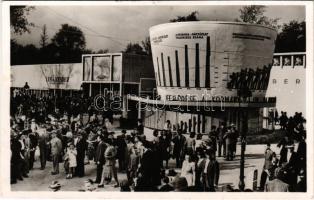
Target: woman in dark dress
164	143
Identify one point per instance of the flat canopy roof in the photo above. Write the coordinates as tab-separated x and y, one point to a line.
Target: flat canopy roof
269	102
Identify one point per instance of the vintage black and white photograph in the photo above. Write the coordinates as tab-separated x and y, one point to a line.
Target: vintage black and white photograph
159	97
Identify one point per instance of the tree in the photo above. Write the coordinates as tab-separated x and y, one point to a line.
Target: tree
292	37
70	43
254	14
44	37
191	17
103	51
146	46
134	48
18	19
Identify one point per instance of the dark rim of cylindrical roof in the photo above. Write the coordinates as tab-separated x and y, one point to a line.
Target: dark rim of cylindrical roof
210	22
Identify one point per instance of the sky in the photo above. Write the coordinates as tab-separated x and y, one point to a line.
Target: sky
127	24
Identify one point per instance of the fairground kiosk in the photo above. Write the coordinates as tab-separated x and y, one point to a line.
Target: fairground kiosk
208	73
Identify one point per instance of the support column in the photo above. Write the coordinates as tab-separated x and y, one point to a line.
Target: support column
90	90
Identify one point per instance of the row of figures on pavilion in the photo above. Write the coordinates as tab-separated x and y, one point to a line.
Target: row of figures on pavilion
250	79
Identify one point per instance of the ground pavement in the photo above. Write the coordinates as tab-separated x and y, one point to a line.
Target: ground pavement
39	180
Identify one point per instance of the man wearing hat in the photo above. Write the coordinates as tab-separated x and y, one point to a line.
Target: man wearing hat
292	165
56	148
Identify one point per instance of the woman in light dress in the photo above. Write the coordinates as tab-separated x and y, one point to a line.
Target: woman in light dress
71	155
188	170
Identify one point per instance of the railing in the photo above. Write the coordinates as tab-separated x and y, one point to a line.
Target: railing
294	59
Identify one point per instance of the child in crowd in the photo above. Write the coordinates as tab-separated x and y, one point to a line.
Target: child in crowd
71	155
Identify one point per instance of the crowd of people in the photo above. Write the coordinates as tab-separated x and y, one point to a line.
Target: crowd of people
62	137
287	171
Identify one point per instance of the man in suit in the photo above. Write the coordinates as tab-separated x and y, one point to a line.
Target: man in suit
269	154
81	146
211	171
99	157
56	149
147	165
178	149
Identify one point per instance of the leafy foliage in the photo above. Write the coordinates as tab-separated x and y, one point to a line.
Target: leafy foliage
191	17
43	37
18	21
292	38
70	43
134	48
146	46
254	14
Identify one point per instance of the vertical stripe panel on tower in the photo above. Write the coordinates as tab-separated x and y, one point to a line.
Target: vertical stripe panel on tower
197	66
207	65
170	72
177	69
163	69
187	80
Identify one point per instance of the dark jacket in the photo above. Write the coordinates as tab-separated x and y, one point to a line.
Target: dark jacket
269	154
100	151
179	144
211	177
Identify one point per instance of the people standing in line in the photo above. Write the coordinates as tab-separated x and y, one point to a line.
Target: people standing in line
268	164
56	148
